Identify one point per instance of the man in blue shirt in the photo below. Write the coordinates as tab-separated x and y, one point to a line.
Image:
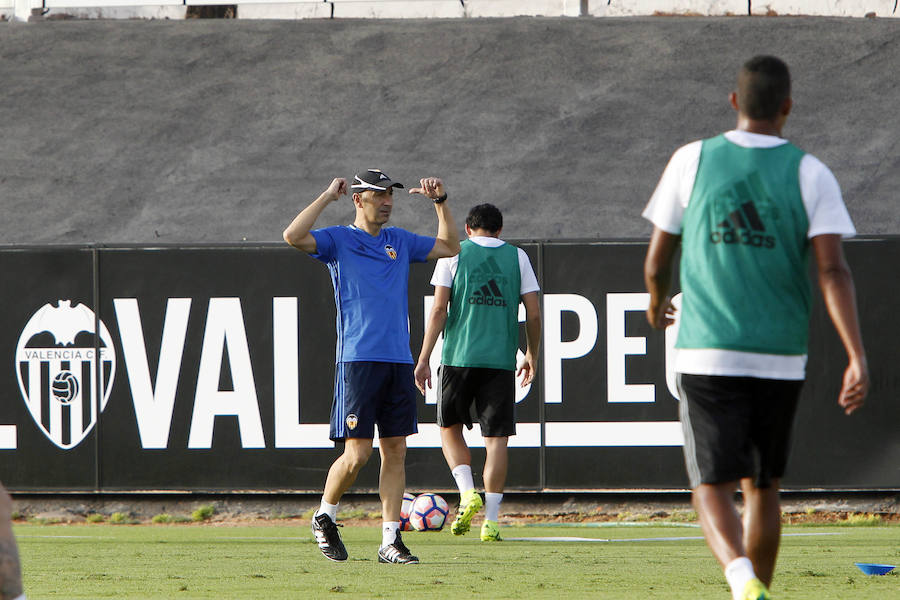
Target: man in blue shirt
374	384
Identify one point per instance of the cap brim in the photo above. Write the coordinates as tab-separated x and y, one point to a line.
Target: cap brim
381	186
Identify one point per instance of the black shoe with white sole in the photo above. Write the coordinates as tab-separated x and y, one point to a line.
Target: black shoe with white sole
397	553
328	537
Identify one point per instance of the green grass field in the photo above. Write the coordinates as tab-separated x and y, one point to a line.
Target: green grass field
281	561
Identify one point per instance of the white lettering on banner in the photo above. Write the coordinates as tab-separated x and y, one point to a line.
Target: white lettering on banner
566	435
62	354
434	360
671	336
521	392
225	329
614	433
153	404
528	435
556	350
154	393
8	437
289	433
618	346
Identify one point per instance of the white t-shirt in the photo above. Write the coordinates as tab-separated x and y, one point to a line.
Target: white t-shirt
445	269
825	210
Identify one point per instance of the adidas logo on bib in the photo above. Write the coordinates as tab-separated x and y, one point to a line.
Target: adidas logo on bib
743	226
488	295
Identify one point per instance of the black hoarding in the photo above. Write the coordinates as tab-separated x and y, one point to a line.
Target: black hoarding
608	409
211	368
50	441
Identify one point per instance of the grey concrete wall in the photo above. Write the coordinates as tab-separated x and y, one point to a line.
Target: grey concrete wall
207	131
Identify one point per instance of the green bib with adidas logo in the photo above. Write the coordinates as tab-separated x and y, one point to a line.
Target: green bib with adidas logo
744	257
482	328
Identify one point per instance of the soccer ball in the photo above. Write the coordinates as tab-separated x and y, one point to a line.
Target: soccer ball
405	509
64	387
428	513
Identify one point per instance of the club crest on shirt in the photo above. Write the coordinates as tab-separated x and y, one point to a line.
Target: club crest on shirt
389	250
352	421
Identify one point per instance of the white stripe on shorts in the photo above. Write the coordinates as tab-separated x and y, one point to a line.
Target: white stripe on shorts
440	391
690	447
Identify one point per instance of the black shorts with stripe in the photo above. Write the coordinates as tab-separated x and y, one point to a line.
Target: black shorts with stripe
367	394
474	394
736	427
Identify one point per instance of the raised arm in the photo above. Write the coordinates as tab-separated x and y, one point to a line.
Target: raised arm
447	241
298	233
836	283
436	320
658	277
533	323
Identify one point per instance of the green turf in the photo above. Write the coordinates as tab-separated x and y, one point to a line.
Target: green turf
269	562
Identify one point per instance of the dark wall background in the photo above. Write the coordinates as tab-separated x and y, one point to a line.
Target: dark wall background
830	451
222	130
167	135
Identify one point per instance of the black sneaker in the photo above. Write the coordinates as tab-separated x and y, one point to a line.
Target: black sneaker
397	553
328	537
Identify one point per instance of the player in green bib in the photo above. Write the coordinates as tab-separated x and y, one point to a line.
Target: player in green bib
476	305
747	207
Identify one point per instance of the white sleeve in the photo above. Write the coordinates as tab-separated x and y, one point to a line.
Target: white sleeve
443	273
822	199
673	192
526	275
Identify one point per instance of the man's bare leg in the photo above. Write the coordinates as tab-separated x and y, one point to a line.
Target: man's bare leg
392	479
724	535
344	470
454	446
495	467
496	464
720	520
762	527
392	482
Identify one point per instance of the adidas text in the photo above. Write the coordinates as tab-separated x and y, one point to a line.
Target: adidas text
744	237
487	301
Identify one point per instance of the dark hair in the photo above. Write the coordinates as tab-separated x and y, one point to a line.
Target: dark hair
485	216
764	83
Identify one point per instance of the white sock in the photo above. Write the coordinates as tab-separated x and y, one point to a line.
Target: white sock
389	532
328	509
738	573
463	476
492	502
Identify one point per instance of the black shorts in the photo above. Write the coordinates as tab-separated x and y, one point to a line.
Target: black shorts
373	393
736	427
470	394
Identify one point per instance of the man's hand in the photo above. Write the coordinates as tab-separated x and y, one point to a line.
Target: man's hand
337	189
446	243
662	315
298	233
431	187
423	376
855	386
658	277
527	369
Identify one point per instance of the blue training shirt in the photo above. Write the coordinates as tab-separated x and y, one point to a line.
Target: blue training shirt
371	281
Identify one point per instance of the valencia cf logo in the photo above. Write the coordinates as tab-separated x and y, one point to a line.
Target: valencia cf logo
352	421
390	251
65	370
